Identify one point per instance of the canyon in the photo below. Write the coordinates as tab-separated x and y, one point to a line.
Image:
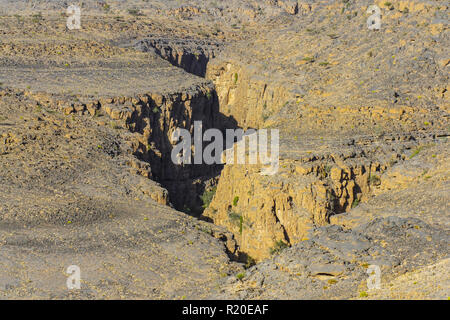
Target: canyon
87	178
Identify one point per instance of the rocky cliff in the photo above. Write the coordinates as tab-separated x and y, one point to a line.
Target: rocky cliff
87	116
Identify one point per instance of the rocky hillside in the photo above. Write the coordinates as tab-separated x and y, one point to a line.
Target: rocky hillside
87	116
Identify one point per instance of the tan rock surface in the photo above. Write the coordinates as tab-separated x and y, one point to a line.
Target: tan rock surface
86	177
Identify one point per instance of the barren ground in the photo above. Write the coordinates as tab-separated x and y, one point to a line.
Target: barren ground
86	177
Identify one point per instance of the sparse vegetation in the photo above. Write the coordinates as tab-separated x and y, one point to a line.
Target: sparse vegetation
355	203
36	18
233	216
416	152
187	210
97	113
374	180
206	230
240	276
135	12
207	196
106	7
363	294
332	281
324	171
313	31
250	262
115	126
18	17
237	219
349	124
241	223
279	246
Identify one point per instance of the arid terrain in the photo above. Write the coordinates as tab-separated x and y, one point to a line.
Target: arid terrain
86	175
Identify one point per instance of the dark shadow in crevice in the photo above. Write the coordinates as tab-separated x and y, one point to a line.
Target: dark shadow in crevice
185	183
192	55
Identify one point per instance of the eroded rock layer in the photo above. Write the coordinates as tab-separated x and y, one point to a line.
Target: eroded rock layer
87	179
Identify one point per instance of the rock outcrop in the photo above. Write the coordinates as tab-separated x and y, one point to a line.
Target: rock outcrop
189	54
86	175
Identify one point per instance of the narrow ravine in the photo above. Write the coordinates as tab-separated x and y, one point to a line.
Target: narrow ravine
265	214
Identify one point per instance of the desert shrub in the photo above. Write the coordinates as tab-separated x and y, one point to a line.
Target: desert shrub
37	17
237	219
240	276
416	152
134	12
279	246
250	262
374	180
207	196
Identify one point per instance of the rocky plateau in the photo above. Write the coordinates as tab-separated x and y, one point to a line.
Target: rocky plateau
87	179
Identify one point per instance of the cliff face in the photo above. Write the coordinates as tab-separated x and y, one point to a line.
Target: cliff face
191	55
363	123
151	120
73	193
242	94
350	104
263	210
